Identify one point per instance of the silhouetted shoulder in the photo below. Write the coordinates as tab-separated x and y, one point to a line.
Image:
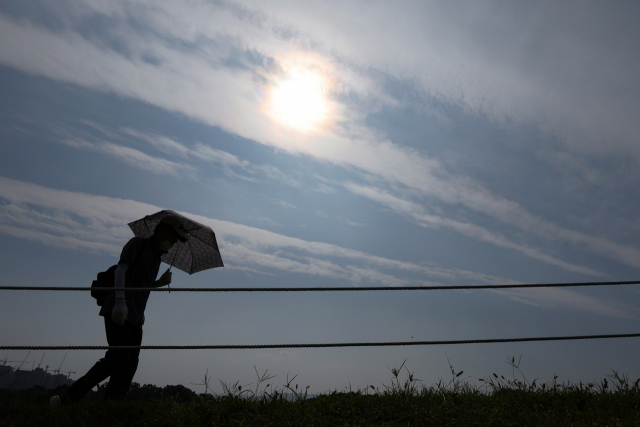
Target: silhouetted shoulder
131	250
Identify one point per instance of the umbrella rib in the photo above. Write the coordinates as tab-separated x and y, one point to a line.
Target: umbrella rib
174	255
191	250
196	237
214	246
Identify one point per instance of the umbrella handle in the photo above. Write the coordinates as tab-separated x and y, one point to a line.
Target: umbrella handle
174	255
171	265
168	285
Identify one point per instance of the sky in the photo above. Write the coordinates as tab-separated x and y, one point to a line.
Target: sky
328	143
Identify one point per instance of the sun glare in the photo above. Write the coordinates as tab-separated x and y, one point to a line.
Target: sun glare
299	101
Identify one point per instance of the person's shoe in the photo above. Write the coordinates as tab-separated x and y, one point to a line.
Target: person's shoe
55	401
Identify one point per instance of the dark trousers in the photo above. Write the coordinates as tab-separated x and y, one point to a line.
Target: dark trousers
119	365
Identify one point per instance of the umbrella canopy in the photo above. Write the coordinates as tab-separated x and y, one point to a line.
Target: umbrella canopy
199	252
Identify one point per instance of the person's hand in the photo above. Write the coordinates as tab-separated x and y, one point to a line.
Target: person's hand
120	311
165	279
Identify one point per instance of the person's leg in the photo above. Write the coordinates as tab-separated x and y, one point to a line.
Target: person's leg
98	373
125	361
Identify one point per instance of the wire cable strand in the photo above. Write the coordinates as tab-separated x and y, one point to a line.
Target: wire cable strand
317	289
358	344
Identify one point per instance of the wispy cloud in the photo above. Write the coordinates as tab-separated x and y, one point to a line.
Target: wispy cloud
214	155
196	82
78	221
133	157
418	214
570	74
232	165
354	223
87	222
282	203
559	298
161	142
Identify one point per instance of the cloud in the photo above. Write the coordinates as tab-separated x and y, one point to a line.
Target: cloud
133	157
571	72
190	77
559	298
282	203
214	155
417	213
231	164
354	223
161	142
86	222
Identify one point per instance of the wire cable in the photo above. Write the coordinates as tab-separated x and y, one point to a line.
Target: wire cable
358	344
317	289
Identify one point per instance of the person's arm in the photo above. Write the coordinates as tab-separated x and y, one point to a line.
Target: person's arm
120	279
120	311
164	280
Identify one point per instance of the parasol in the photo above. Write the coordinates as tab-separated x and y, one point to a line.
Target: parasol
199	252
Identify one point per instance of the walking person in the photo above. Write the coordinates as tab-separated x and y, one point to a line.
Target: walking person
124	314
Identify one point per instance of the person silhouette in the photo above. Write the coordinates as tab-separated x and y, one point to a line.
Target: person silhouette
123	317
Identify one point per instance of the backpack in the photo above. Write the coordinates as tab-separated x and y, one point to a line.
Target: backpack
105	279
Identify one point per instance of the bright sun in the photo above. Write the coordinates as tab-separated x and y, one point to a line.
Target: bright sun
299	101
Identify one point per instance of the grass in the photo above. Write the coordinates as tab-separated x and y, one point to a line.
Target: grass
614	401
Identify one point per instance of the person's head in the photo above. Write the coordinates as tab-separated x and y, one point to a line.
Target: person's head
168	231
